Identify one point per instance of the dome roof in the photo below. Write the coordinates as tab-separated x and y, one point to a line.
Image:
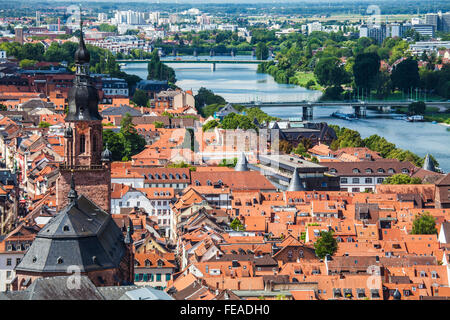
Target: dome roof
106	155
83	102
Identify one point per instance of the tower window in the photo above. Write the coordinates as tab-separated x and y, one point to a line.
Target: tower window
82	143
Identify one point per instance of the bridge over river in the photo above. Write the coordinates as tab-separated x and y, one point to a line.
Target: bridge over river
359	107
213	62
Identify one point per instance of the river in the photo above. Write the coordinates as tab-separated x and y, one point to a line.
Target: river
241	83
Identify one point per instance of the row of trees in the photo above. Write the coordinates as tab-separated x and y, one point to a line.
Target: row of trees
102	61
355	63
351	138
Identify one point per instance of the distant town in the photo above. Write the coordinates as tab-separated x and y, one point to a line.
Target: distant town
120	181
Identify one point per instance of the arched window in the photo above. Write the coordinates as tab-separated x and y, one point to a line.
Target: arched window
82	143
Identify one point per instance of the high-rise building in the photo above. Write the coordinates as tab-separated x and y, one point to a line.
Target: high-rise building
426	30
432	19
445	22
38	19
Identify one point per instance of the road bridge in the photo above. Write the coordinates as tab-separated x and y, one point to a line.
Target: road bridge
360	107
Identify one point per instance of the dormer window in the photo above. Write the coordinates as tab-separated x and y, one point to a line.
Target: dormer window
391	170
59	260
184	176
380	170
66	228
147	263
197	183
178	176
368	170
355	170
405	171
208	183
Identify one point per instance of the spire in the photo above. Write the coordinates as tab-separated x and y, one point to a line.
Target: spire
428	163
82	55
295	184
241	164
72	195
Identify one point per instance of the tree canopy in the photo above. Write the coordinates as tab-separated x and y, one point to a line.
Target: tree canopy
157	70
424	224
126	143
325	244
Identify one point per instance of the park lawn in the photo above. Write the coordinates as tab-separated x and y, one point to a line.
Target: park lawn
302	79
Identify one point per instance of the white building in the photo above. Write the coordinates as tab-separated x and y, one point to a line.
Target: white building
155	201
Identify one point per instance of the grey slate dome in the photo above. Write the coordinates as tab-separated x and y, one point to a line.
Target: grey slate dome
295	184
106	155
82	235
397	295
242	163
428	163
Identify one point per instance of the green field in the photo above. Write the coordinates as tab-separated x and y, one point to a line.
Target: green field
302	79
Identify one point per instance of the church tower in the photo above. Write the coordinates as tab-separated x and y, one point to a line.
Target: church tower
84	155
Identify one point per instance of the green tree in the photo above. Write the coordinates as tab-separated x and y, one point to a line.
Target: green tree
158	124
405	75
366	69
325	244
140	98
210	125
44	124
424	224
418	107
261	52
133	142
236	225
401	178
157	70
26	63
206	97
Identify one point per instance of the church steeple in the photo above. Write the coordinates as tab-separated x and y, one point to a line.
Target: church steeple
83	96
84	162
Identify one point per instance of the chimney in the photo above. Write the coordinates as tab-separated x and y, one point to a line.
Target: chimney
239	285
